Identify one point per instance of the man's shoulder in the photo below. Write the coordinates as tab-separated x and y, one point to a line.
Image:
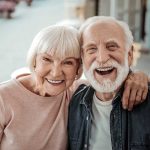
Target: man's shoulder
144	106
149	86
81	90
84	93
79	94
148	91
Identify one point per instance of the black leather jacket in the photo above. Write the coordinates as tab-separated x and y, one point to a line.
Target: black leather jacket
130	130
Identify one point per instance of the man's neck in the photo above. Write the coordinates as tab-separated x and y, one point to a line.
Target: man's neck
105	96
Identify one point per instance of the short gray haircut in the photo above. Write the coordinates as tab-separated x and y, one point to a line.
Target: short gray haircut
122	24
60	40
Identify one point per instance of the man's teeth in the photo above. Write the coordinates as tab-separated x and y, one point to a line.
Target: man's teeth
105	69
55	81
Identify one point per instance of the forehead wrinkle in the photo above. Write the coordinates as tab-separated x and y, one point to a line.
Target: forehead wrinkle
112	40
53	56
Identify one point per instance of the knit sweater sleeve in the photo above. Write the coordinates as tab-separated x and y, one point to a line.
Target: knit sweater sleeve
2	117
77	83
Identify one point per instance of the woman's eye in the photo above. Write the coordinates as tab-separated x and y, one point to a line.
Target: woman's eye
68	62
47	59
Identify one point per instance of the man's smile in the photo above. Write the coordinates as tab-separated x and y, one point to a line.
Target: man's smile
105	70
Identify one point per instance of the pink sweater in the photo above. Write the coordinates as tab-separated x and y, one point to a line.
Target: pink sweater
32	122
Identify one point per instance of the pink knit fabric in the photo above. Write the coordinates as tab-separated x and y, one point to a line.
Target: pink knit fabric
32	122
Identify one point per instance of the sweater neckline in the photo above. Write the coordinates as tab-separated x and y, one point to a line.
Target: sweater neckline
36	96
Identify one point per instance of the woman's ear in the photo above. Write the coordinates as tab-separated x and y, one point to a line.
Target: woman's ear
79	71
34	64
130	55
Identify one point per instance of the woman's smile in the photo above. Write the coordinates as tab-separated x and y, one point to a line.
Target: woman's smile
55	82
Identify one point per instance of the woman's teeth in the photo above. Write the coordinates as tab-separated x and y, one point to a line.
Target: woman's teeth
55	81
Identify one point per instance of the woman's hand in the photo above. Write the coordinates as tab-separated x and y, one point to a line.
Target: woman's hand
136	89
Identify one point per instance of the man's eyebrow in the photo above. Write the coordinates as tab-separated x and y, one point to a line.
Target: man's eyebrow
87	45
112	41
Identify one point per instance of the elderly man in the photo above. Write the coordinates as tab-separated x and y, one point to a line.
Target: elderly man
97	120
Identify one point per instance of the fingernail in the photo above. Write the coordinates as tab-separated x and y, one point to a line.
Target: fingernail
125	107
129	109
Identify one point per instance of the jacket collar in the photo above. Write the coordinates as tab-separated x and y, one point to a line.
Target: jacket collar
88	96
118	96
89	92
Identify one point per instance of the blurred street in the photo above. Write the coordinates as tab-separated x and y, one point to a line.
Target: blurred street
16	34
143	63
141	59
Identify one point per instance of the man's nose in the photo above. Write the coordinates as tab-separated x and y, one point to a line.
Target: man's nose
102	55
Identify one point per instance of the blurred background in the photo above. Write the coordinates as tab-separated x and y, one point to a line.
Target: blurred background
20	20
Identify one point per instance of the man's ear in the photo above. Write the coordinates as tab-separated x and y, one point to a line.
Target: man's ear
130	55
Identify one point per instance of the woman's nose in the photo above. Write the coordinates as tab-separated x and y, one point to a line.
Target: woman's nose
56	70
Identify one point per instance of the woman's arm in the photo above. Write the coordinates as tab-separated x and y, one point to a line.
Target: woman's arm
2	119
136	89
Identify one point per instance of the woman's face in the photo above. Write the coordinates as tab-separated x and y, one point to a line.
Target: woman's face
54	75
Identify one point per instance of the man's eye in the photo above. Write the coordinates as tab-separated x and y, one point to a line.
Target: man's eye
112	47
91	50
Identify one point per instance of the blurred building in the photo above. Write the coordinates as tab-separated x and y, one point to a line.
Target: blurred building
134	12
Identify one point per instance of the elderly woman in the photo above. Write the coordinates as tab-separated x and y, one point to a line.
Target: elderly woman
34	107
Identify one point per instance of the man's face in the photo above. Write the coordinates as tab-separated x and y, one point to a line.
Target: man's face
105	59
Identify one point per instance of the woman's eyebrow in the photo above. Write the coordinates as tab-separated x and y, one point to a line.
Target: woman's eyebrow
48	55
70	58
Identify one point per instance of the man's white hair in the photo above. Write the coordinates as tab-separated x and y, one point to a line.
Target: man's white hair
60	40
123	25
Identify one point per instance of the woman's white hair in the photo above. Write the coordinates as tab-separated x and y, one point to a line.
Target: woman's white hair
123	25
60	40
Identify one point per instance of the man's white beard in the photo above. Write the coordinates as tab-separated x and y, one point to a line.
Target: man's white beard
106	85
